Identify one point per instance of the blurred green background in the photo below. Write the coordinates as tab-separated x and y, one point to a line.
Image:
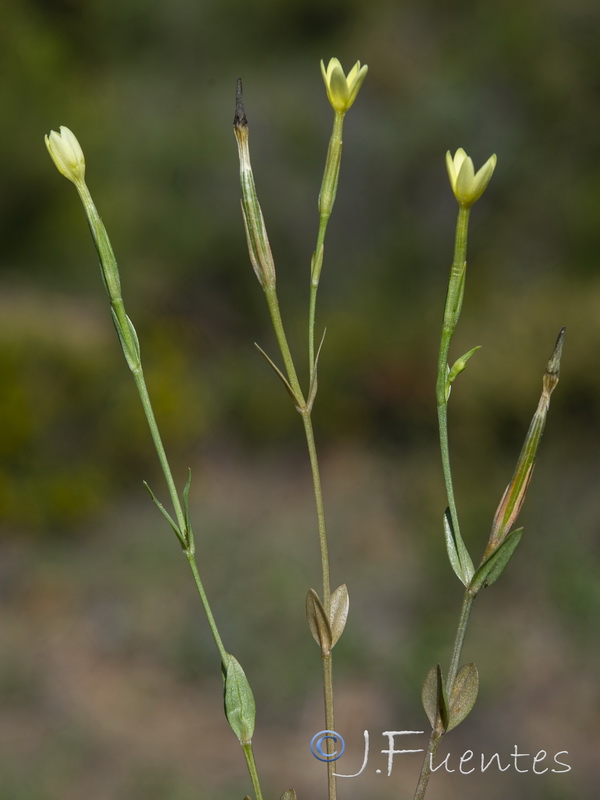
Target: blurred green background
109	683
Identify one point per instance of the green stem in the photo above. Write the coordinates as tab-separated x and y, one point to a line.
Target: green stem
326	201
140	382
432	747
128	337
459	640
327	664
454	298
206	606
305	412
316	476
286	354
451	314
445	453
112	283
292	375
436	735
249	754
327	661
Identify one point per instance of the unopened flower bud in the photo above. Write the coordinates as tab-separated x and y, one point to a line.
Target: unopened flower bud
67	154
256	231
342	89
468	185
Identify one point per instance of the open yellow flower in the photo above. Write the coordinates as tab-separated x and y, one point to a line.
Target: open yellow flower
468	185
67	154
342	89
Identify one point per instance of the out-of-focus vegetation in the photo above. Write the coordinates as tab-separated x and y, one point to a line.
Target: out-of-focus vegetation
148	88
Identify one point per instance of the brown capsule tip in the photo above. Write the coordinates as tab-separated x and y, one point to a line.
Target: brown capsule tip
553	367
239	120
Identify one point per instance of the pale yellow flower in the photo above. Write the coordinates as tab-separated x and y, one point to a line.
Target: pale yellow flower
468	185
342	89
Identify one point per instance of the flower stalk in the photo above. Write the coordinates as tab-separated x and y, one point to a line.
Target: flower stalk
447	702
239	702
341	93
326	617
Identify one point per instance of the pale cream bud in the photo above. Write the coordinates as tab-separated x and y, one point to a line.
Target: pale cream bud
67	154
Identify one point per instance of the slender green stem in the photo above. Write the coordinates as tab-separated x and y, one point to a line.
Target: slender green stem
314	288
162	457
286	354
451	315
327	658
249	754
327	664
305	412
112	283
190	550
445	453
325	204
310	438
314	465
326	201
312	312
459	640
454	298
432	747
206	606
140	383
436	735
131	351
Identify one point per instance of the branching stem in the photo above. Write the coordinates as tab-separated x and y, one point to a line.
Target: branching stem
454	298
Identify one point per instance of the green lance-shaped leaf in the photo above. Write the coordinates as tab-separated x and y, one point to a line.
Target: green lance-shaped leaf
189	535
314	383
460	560
128	338
429	696
340	603
514	494
458	366
463	695
108	262
434	700
281	376
494	566
178	532
240	708
289	795
460	363
318	623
